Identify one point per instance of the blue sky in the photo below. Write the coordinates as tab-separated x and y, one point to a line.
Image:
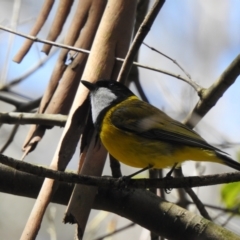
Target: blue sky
203	36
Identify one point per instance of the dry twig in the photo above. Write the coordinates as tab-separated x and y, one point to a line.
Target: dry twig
200	206
19	79
76	49
33	118
10	138
166	56
141	34
42	17
58	22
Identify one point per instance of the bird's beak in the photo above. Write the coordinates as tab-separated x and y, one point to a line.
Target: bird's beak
88	85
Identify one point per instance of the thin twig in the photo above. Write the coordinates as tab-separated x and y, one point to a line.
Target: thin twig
33	118
200	206
108	182
41	19
29	72
138	39
228	220
10	138
21	106
173	60
198	203
14	23
35	39
196	87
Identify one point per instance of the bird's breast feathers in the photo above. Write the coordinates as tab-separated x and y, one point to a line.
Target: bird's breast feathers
138	134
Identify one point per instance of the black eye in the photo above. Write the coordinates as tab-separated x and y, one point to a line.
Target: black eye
111	84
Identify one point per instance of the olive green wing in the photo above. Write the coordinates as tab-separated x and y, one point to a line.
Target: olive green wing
145	120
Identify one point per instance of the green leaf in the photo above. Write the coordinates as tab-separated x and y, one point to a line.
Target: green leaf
230	193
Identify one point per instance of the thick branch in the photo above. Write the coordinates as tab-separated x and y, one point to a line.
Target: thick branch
178	222
210	96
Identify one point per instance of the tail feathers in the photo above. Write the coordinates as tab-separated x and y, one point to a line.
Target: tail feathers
229	161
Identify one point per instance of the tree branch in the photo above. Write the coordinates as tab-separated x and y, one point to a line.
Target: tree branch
210	96
10	138
36	39
197	87
41	19
21	106
33	118
108	182
35	67
10	101
178	222
138	39
200	206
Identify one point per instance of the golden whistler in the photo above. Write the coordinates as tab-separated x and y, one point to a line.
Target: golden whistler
140	135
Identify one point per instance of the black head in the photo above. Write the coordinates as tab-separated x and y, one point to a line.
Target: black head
118	89
104	94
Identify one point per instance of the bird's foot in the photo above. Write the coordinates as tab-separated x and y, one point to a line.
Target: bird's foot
123	181
169	176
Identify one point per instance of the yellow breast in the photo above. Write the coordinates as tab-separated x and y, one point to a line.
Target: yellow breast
140	152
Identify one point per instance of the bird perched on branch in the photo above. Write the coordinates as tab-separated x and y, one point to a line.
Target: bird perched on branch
140	135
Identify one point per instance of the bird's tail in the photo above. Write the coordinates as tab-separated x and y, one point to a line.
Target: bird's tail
228	161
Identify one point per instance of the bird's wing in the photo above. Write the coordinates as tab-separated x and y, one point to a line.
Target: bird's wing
145	120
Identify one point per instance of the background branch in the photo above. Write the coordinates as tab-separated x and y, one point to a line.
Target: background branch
138	39
33	69
77	49
200	206
210	96
33	118
10	138
42	17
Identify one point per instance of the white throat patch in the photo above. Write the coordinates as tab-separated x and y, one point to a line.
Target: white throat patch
100	99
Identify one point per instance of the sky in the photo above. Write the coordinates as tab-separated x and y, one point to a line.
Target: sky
202	36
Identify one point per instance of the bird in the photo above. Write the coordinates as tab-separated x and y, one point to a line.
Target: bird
142	136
